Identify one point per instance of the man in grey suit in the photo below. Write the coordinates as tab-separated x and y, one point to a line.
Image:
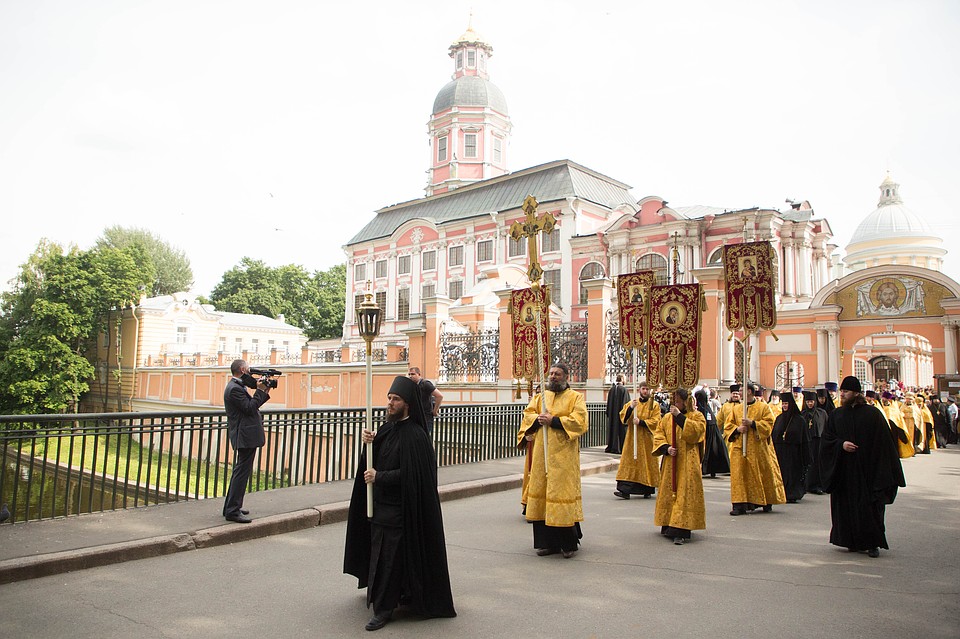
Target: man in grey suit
245	425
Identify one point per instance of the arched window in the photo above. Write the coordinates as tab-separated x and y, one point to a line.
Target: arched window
656	263
716	258
789	374
590	271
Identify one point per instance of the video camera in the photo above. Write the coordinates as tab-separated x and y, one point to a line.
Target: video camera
265	376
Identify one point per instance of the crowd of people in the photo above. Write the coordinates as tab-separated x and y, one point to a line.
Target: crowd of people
778	447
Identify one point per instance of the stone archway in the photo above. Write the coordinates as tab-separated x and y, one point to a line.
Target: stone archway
901	355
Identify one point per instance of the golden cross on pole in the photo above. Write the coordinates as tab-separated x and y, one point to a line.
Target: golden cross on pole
529	229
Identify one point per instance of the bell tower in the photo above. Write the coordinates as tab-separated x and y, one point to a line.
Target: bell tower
470	125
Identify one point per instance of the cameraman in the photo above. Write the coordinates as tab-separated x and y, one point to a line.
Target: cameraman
245	425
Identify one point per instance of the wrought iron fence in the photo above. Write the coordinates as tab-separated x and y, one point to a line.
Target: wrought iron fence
326	356
619	359
61	465
470	357
568	344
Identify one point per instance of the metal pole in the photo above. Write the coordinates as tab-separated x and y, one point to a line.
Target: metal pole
369	425
636	394
743	393
543	389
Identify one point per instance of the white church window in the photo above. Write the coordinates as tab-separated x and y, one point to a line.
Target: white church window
429	260
497	150
456	255
403	304
516	248
359	272
485	251
456	289
381	268
470	145
442	149
590	271
656	263
551	278
550	242
471	59
403	265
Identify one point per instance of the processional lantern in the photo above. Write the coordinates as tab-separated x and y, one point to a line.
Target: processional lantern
368	325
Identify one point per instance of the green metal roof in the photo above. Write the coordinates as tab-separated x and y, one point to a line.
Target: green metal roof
547	182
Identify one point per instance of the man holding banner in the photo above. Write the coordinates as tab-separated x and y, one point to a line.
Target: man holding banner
639	471
679	439
753	482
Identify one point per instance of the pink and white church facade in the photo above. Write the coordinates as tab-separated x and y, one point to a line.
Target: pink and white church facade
443	262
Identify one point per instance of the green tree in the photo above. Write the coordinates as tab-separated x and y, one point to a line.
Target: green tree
314	302
171	267
62	299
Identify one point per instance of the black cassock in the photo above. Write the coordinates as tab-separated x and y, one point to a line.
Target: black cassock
715	458
860	483
405	536
792	443
816	419
617	397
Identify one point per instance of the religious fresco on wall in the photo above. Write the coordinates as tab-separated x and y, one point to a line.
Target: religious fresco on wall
892	296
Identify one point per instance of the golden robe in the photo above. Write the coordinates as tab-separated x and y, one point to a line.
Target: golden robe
684	507
724	413
913	420
754	478
776	408
645	469
554	497
928	432
893	415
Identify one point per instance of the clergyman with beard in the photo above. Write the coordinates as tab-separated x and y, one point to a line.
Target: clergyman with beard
860	469
399	555
554	505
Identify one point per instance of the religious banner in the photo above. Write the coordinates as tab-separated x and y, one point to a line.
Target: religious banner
529	308
673	343
751	286
632	290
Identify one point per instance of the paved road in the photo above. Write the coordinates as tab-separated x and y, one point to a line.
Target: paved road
762	575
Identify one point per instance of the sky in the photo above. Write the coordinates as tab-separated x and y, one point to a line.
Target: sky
275	130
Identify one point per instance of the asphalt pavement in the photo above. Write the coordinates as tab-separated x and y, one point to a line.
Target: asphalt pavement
759	575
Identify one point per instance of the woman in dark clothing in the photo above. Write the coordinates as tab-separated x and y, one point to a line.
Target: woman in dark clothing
792	443
715	458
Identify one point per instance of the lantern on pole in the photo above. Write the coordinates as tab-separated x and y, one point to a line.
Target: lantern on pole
368	325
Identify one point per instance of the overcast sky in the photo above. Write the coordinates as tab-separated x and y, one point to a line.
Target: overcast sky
275	129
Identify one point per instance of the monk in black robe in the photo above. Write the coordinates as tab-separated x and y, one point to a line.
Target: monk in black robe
399	555
816	419
617	396
861	471
792	445
715	457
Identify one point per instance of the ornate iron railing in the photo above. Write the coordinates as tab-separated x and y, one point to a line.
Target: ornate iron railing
469	357
568	344
61	465
619	359
328	356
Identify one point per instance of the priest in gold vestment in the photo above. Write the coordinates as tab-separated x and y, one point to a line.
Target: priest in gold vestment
554	504
902	435
639	474
679	438
754	477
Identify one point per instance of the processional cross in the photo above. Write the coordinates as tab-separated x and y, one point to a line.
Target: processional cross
529	228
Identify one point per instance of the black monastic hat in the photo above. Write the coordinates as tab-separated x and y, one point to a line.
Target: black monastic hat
408	390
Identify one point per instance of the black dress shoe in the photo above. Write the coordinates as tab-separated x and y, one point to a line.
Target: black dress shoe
873	552
768	508
378	621
736	512
543	552
621	495
244	512
239	519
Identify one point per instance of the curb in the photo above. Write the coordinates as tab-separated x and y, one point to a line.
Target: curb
23	568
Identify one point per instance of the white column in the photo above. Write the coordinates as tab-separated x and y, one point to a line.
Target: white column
470	263
833	364
822	351
442	276
949	347
789	269
803	269
755	357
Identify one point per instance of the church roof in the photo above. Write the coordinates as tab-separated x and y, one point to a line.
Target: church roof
470	90
547	182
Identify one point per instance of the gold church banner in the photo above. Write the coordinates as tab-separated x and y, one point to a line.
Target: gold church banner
751	286
632	291
529	309
673	344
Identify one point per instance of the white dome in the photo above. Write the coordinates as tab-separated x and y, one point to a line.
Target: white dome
889	221
893	234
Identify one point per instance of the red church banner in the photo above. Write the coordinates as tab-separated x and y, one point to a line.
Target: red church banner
751	286
673	344
529	310
632	291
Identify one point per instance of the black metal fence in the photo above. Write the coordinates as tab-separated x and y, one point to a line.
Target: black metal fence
61	465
